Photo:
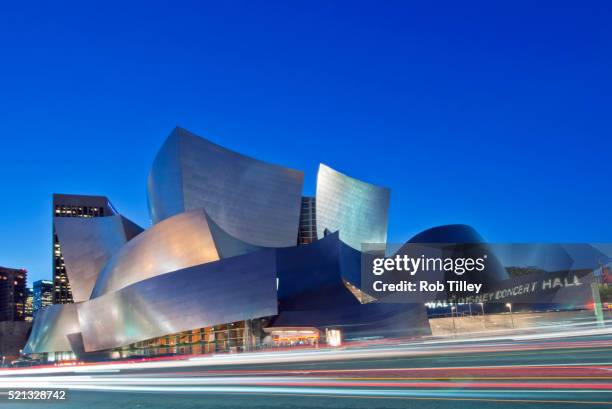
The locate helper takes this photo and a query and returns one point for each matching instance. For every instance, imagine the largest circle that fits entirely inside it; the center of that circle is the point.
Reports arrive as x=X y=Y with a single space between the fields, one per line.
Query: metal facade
x=234 y=289
x=51 y=328
x=223 y=248
x=358 y=210
x=312 y=293
x=253 y=201
x=178 y=242
x=87 y=244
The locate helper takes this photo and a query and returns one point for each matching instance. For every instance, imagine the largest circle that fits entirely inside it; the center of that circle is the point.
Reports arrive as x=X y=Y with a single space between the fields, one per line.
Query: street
x=528 y=371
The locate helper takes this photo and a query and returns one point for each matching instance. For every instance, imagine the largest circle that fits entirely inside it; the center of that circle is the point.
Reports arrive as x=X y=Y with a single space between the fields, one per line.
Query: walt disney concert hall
x=236 y=259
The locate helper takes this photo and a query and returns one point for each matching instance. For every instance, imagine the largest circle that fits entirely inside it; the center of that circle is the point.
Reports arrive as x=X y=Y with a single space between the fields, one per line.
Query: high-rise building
x=12 y=294
x=29 y=305
x=307 y=232
x=42 y=294
x=72 y=206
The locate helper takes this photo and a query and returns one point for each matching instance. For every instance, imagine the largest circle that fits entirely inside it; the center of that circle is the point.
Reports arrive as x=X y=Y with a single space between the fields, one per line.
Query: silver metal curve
x=179 y=242
x=253 y=201
x=230 y=290
x=87 y=244
x=358 y=210
x=51 y=328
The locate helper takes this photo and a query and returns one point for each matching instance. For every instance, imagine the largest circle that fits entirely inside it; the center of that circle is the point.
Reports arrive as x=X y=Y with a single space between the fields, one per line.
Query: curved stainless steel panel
x=358 y=210
x=87 y=244
x=312 y=293
x=165 y=184
x=233 y=289
x=227 y=245
x=176 y=243
x=253 y=201
x=51 y=328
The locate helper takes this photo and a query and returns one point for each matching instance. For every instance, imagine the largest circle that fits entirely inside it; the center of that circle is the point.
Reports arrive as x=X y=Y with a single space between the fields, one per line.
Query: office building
x=29 y=305
x=13 y=294
x=42 y=294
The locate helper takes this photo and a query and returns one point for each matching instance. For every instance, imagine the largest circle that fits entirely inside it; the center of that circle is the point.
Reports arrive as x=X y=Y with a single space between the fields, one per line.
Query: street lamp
x=511 y=318
x=483 y=315
x=453 y=318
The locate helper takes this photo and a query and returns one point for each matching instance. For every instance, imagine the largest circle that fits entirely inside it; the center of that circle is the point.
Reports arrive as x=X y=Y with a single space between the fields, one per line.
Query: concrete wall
x=468 y=324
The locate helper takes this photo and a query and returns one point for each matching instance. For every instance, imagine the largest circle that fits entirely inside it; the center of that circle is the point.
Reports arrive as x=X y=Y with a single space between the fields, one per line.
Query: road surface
x=532 y=371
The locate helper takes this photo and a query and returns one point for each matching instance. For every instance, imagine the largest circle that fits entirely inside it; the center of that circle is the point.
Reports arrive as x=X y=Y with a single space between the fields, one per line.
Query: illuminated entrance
x=293 y=336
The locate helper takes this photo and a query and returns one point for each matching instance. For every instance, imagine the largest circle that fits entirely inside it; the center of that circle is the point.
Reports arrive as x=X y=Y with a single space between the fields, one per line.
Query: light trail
x=531 y=371
x=418 y=348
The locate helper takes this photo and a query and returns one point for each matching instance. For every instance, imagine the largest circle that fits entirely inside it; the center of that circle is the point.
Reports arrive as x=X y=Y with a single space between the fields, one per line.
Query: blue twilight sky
x=496 y=114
